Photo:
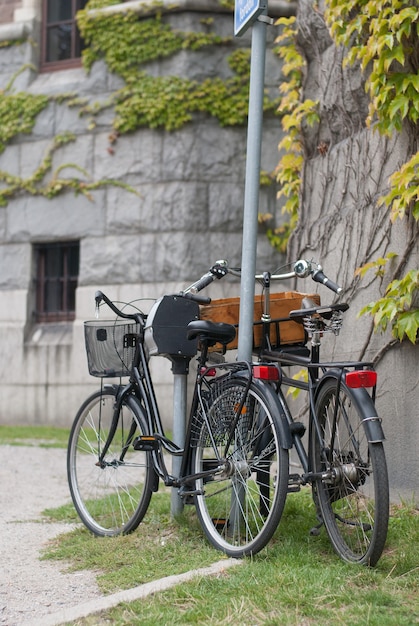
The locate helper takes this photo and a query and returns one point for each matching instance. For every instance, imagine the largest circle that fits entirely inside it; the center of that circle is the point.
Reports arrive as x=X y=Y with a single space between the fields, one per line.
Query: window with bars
x=61 y=41
x=57 y=270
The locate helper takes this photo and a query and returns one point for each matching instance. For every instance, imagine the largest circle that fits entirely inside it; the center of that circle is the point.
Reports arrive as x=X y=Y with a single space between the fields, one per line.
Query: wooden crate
x=283 y=331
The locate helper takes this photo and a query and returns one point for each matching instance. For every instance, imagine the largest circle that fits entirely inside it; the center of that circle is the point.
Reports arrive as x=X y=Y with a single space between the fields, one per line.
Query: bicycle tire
x=240 y=508
x=354 y=503
x=111 y=497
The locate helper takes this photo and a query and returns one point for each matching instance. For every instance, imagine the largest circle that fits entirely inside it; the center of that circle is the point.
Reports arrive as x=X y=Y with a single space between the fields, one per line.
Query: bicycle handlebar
x=218 y=270
x=99 y=296
x=302 y=269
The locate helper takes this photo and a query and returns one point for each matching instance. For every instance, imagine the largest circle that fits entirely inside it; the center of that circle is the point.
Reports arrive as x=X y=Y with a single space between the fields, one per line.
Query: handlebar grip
x=196 y=298
x=319 y=277
x=202 y=282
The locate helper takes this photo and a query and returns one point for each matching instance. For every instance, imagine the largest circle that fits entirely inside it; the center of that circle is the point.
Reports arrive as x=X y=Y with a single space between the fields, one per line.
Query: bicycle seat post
x=266 y=313
x=180 y=368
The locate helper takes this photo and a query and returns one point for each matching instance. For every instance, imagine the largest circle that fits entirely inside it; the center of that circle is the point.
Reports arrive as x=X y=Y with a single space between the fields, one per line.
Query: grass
x=296 y=581
x=44 y=436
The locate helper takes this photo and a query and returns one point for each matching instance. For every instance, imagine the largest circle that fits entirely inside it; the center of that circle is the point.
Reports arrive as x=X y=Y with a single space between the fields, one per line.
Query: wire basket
x=110 y=347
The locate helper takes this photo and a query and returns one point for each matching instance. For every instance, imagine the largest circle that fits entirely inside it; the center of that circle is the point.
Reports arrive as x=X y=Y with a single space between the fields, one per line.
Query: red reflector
x=266 y=372
x=211 y=371
x=361 y=378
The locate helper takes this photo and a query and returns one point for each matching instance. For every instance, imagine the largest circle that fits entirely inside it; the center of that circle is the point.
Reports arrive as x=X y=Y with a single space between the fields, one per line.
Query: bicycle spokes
x=352 y=492
x=239 y=508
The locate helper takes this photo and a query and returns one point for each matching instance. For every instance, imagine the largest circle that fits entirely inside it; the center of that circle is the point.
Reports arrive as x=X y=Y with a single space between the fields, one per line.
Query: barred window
x=57 y=270
x=61 y=41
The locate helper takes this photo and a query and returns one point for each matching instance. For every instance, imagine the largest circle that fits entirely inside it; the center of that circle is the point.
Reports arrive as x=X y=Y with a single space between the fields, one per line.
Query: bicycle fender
x=276 y=409
x=371 y=421
x=365 y=406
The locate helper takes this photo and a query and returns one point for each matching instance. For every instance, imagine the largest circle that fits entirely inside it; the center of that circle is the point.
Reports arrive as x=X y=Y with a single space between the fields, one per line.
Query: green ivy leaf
x=407 y=324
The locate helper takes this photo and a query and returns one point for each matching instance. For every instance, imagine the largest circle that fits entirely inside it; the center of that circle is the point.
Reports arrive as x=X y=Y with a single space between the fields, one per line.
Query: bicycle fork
x=121 y=394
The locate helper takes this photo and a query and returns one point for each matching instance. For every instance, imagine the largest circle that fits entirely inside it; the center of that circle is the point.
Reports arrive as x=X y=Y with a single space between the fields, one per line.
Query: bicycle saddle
x=211 y=332
x=324 y=311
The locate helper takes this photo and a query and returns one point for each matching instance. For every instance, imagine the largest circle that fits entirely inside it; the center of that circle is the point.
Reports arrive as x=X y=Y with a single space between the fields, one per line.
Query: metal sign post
x=247 y=12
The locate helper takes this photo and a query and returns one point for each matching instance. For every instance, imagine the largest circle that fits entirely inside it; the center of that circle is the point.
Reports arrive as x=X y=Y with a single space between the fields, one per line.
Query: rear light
x=208 y=371
x=266 y=372
x=361 y=378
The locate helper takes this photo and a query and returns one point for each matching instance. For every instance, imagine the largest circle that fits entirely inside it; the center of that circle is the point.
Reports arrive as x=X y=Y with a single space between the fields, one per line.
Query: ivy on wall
x=18 y=113
x=57 y=183
x=382 y=37
x=127 y=42
x=293 y=113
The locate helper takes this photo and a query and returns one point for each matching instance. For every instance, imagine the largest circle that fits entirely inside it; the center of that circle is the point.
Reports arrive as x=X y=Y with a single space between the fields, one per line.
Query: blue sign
x=245 y=13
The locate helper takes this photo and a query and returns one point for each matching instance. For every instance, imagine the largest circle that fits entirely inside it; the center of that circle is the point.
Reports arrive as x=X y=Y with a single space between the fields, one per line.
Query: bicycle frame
x=141 y=386
x=317 y=372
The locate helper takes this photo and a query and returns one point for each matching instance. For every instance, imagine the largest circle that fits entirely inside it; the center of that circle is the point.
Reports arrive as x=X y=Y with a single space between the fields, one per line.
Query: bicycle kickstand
x=315 y=531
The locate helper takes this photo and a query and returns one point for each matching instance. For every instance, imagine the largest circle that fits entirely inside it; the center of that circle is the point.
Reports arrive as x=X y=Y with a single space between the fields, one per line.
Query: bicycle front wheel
x=354 y=497
x=240 y=505
x=111 y=494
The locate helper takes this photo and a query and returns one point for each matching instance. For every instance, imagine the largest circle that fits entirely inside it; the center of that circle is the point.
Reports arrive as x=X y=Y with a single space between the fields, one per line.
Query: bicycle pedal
x=221 y=524
x=146 y=443
x=297 y=428
x=186 y=493
x=294 y=483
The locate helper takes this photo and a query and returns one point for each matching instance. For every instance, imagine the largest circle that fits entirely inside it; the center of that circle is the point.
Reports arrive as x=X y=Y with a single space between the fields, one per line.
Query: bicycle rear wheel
x=239 y=506
x=111 y=495
x=354 y=499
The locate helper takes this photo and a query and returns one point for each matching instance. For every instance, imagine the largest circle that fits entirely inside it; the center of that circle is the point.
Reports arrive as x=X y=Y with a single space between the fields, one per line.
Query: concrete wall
x=187 y=213
x=343 y=227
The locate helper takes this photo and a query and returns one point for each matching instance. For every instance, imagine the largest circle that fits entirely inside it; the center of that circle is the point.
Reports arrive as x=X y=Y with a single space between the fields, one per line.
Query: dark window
x=61 y=42
x=57 y=270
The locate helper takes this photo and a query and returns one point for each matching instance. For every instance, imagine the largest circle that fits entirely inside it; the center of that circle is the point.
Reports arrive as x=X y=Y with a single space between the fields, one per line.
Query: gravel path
x=31 y=480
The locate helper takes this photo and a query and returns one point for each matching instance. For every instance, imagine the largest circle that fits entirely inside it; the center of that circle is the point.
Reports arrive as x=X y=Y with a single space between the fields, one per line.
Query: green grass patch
x=43 y=436
x=297 y=580
x=159 y=547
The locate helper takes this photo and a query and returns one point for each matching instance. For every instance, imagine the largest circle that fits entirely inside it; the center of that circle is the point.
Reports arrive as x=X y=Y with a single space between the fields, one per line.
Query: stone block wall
x=7 y=9
x=186 y=213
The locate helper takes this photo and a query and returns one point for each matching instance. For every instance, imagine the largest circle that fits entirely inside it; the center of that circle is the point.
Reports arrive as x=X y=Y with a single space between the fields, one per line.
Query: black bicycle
x=343 y=459
x=234 y=463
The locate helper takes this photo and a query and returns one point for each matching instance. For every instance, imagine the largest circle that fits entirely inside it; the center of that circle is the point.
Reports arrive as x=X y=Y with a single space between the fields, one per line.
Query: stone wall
x=7 y=9
x=186 y=213
x=342 y=226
